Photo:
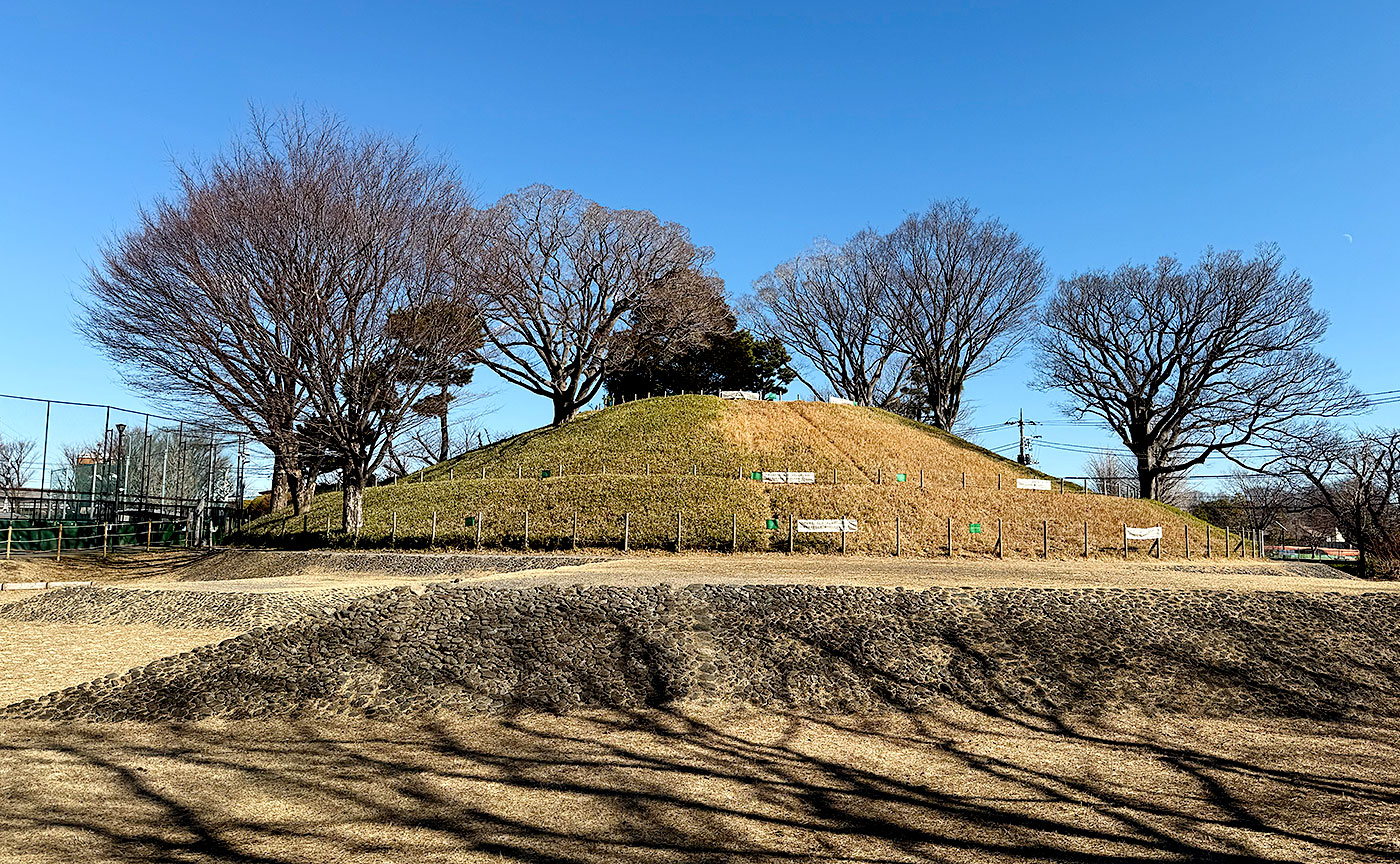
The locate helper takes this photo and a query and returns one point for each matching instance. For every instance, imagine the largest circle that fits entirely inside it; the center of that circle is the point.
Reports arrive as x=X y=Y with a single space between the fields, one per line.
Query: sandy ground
x=700 y=785
x=916 y=573
x=39 y=658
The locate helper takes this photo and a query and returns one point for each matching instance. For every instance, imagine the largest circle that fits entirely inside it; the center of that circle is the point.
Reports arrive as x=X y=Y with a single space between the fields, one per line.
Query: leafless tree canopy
x=1354 y=479
x=261 y=292
x=1186 y=362
x=1116 y=474
x=965 y=292
x=832 y=307
x=557 y=276
x=16 y=468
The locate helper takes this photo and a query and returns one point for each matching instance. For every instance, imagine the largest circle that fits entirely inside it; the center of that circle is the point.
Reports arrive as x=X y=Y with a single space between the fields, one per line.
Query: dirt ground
x=173 y=571
x=39 y=658
x=701 y=785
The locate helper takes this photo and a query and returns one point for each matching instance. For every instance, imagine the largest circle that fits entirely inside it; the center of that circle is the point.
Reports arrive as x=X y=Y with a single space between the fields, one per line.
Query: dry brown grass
x=38 y=658
x=701 y=785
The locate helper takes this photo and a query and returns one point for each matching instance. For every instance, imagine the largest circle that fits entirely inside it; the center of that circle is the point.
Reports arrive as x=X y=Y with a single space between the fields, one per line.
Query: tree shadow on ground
x=702 y=784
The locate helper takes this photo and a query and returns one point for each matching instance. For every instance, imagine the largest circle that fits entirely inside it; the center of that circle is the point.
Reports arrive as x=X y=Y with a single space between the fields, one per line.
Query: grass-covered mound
x=695 y=456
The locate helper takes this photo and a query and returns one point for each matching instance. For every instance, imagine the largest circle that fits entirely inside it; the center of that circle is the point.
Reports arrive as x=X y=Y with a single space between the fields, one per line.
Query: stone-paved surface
x=450 y=647
x=262 y=563
x=177 y=609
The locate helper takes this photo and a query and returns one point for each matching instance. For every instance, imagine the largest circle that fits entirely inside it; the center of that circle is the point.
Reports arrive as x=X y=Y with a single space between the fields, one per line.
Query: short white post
x=432 y=537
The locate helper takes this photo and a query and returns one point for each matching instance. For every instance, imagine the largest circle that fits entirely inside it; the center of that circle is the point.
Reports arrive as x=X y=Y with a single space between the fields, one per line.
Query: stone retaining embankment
x=454 y=648
x=265 y=563
x=178 y=609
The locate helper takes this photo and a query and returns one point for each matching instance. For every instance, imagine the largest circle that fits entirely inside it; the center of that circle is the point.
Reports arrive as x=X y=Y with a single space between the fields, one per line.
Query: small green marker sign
x=471 y=521
x=771 y=524
x=756 y=475
x=975 y=528
x=544 y=473
x=900 y=478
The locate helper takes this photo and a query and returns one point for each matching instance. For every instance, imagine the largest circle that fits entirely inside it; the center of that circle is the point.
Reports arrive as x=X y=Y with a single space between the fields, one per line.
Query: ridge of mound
x=223 y=610
x=827 y=648
x=694 y=456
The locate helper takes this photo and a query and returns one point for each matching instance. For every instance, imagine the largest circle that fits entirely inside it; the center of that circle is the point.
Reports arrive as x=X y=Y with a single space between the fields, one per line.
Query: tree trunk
x=565 y=408
x=1148 y=476
x=303 y=489
x=352 y=498
x=281 y=483
x=443 y=444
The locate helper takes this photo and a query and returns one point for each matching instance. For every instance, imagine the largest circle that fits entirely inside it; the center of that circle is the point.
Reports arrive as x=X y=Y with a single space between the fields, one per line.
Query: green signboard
x=471 y=521
x=975 y=528
x=900 y=478
x=756 y=475
x=772 y=525
x=544 y=473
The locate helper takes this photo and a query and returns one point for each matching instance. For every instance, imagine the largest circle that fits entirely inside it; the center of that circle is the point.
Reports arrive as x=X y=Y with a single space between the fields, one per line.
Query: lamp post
x=121 y=459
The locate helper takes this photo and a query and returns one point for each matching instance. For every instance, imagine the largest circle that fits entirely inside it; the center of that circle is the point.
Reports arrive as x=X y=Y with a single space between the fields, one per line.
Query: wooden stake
x=1086 y=539
x=843 y=534
x=1186 y=534
x=896 y=537
x=149 y=526
x=527 y=531
x=950 y=536
x=998 y=481
x=999 y=548
x=1157 y=544
x=452 y=473
x=59 y=550
x=9 y=538
x=1044 y=538
x=626 y=530
x=921 y=478
x=478 y=529
x=734 y=533
x=1125 y=541
x=393 y=527
x=1207 y=539
x=678 y=532
x=573 y=534
x=791 y=535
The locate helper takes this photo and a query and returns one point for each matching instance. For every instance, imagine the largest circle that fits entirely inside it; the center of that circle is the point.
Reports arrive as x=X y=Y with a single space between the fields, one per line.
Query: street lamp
x=121 y=458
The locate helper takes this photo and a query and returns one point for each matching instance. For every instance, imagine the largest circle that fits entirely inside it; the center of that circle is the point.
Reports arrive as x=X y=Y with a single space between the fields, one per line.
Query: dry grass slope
x=693 y=455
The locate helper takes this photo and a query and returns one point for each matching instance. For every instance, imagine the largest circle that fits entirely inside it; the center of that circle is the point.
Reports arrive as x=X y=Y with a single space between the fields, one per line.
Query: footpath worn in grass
x=694 y=456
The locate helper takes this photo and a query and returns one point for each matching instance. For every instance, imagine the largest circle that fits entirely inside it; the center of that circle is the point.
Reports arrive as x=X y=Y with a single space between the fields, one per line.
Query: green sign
x=544 y=473
x=772 y=525
x=471 y=521
x=771 y=397
x=756 y=475
x=975 y=528
x=900 y=478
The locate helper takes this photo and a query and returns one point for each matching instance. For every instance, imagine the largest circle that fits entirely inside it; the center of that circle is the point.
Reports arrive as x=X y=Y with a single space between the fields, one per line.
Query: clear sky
x=1102 y=132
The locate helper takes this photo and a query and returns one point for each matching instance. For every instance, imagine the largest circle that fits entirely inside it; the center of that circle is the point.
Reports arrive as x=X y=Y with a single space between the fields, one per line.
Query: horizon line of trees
x=331 y=292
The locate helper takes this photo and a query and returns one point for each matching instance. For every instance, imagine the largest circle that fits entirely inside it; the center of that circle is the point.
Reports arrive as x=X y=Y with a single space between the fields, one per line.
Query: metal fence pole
x=1125 y=541
x=1000 y=550
x=678 y=532
x=59 y=548
x=478 y=530
x=734 y=533
x=9 y=537
x=1044 y=538
x=393 y=527
x=432 y=538
x=149 y=526
x=626 y=530
x=573 y=532
x=527 y=531
x=1086 y=539
x=843 y=534
x=950 y=536
x=896 y=537
x=1186 y=536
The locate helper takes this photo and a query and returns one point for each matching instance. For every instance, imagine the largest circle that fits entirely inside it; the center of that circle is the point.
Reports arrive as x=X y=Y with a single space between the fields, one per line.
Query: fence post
x=833 y=476
x=626 y=530
x=393 y=527
x=843 y=534
x=328 y=526
x=998 y=481
x=1207 y=539
x=478 y=529
x=1125 y=541
x=921 y=478
x=452 y=473
x=734 y=533
x=1062 y=485
x=527 y=531
x=59 y=549
x=573 y=533
x=1000 y=551
x=1044 y=538
x=791 y=535
x=1086 y=539
x=483 y=472
x=1186 y=534
x=104 y=541
x=964 y=479
x=678 y=532
x=1157 y=545
x=519 y=472
x=432 y=538
x=149 y=526
x=950 y=536
x=896 y=537
x=9 y=537
x=879 y=476
x=1227 y=541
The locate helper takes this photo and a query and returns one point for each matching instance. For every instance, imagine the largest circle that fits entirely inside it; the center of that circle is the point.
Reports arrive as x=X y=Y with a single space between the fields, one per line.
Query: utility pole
x=1023 y=456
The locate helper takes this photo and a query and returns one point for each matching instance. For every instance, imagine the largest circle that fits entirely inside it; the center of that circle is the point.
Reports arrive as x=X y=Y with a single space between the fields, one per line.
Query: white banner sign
x=1145 y=533
x=837 y=400
x=826 y=526
x=789 y=477
x=740 y=394
x=1033 y=483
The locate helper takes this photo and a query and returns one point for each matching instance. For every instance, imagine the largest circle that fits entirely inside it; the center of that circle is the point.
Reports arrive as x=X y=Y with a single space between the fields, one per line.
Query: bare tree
x=384 y=325
x=964 y=291
x=1187 y=362
x=1353 y=479
x=199 y=305
x=557 y=276
x=1116 y=474
x=16 y=469
x=831 y=306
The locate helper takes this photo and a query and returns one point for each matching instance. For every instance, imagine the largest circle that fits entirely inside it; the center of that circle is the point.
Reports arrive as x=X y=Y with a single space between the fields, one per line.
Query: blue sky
x=1102 y=132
